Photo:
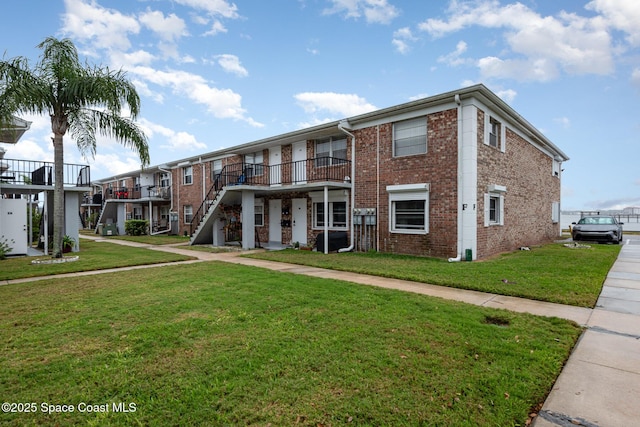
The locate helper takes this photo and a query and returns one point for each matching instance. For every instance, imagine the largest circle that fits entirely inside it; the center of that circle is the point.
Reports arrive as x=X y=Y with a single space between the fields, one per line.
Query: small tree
x=80 y=99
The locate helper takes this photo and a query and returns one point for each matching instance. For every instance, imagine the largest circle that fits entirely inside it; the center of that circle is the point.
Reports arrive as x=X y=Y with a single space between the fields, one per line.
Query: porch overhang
x=13 y=132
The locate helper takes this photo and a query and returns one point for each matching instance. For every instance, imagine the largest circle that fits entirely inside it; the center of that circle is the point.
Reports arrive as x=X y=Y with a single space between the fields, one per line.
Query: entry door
x=299 y=224
x=275 y=168
x=275 y=215
x=299 y=172
x=13 y=225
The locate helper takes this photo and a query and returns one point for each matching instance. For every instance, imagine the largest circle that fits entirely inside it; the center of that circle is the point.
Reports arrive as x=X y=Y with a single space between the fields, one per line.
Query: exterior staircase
x=204 y=218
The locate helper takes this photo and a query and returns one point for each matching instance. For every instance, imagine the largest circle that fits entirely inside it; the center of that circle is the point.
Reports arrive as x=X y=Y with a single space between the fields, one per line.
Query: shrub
x=5 y=247
x=136 y=227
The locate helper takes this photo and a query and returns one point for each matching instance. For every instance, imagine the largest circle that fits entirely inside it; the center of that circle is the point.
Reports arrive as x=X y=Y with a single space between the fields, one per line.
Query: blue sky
x=216 y=73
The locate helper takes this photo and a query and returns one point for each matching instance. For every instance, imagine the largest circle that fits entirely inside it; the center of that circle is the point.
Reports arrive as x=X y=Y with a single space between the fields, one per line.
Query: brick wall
x=438 y=167
x=531 y=188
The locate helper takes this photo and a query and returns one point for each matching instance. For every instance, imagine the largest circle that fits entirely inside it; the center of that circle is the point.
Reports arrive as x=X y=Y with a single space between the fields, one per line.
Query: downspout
x=170 y=205
x=341 y=126
x=460 y=187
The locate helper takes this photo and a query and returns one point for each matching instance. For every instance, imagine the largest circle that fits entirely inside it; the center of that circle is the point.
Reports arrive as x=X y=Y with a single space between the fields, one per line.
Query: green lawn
x=223 y=344
x=552 y=272
x=93 y=256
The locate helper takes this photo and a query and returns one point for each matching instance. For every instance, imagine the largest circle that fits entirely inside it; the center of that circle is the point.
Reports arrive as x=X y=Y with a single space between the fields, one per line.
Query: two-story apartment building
x=459 y=175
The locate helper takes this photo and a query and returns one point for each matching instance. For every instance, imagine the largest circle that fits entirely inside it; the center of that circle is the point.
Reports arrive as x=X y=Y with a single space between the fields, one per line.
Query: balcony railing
x=329 y=169
x=299 y=172
x=138 y=192
x=28 y=172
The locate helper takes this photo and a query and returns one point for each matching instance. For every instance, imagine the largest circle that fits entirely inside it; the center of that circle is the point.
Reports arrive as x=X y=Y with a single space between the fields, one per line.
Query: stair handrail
x=228 y=174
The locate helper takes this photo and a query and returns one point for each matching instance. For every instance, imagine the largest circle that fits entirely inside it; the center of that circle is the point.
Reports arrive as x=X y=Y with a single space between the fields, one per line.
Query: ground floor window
x=259 y=213
x=409 y=215
x=188 y=213
x=137 y=212
x=337 y=216
x=494 y=206
x=409 y=208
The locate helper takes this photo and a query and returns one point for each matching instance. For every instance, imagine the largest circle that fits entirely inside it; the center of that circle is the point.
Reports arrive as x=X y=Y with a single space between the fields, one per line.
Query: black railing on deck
x=329 y=169
x=29 y=172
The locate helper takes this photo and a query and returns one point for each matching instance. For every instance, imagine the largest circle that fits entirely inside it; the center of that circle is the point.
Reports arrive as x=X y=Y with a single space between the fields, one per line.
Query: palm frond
x=87 y=122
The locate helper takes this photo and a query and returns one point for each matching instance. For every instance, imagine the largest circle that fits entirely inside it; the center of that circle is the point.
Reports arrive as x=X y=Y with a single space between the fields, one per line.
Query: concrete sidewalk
x=600 y=383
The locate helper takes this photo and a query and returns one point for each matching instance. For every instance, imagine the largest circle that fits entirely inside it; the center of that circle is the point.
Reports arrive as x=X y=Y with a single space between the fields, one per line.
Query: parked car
x=597 y=228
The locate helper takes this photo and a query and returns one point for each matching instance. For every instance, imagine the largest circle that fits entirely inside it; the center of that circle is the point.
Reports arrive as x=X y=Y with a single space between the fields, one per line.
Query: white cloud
x=334 y=103
x=508 y=95
x=454 y=58
x=216 y=27
x=169 y=28
x=105 y=28
x=401 y=39
x=623 y=15
x=222 y=103
x=374 y=11
x=231 y=64
x=175 y=141
x=518 y=69
x=213 y=7
x=540 y=46
x=114 y=164
x=563 y=121
x=27 y=149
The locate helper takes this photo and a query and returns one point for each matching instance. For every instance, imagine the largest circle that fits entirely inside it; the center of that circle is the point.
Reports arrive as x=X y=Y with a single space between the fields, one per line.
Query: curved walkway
x=600 y=383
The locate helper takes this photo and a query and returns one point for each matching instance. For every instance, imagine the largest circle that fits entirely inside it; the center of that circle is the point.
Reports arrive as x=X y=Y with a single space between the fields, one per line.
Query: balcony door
x=275 y=166
x=299 y=172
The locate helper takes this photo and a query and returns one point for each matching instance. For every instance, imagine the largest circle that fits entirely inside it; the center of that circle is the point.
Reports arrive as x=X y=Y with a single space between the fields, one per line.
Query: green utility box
x=109 y=230
x=468 y=255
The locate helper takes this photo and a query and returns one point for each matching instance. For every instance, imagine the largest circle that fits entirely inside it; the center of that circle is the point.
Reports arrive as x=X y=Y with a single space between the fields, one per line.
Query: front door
x=299 y=223
x=275 y=167
x=299 y=170
x=275 y=215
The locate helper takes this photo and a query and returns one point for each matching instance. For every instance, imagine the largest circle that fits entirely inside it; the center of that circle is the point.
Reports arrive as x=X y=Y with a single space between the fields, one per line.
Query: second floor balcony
x=322 y=169
x=15 y=172
x=138 y=192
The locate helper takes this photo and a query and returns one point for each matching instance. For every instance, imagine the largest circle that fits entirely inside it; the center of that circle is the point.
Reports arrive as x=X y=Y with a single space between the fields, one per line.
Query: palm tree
x=81 y=100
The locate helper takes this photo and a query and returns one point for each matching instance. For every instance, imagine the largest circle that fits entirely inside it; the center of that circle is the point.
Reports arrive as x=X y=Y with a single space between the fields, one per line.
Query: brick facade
x=523 y=172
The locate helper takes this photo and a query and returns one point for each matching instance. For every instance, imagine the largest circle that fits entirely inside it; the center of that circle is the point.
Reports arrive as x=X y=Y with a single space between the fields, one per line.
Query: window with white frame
x=216 y=168
x=409 y=208
x=336 y=217
x=165 y=180
x=254 y=164
x=494 y=205
x=137 y=212
x=188 y=213
x=164 y=214
x=555 y=212
x=259 y=213
x=187 y=175
x=410 y=137
x=556 y=167
x=495 y=133
x=136 y=183
x=331 y=151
